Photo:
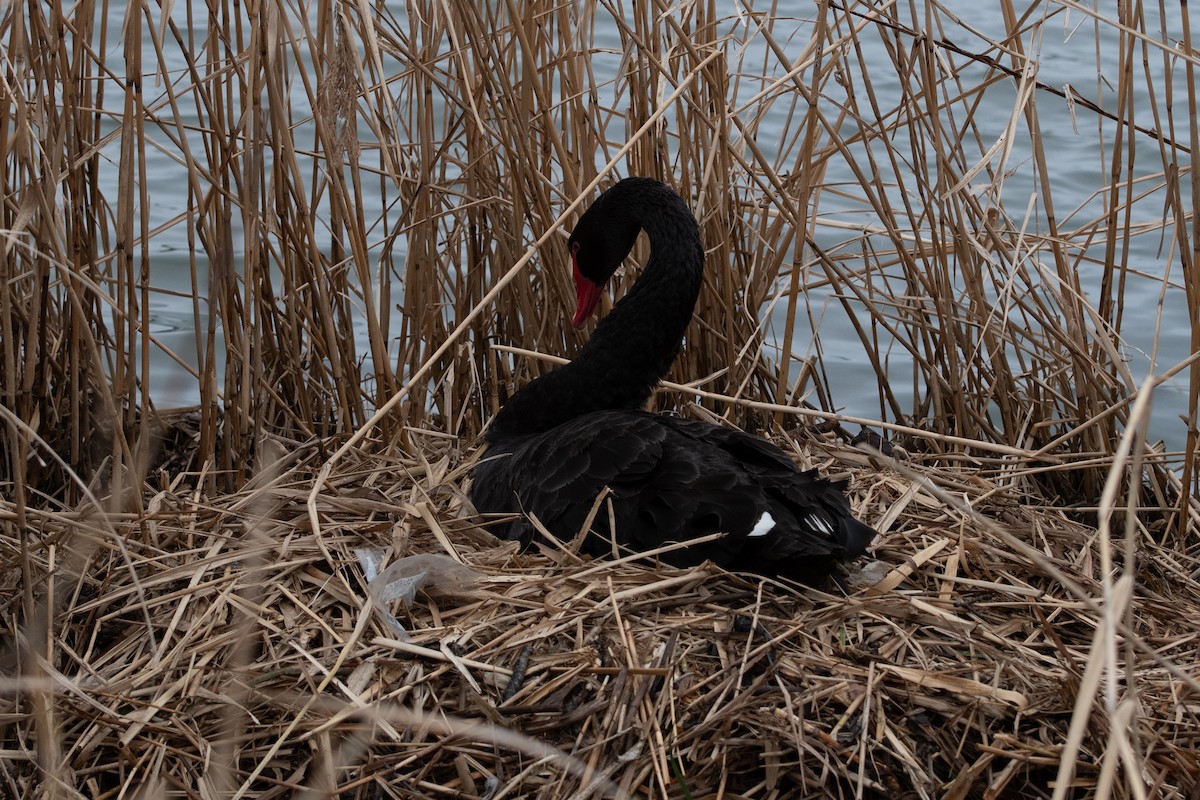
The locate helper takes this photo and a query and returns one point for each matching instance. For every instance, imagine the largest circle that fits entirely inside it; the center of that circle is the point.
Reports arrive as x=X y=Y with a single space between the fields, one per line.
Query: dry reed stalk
x=1191 y=474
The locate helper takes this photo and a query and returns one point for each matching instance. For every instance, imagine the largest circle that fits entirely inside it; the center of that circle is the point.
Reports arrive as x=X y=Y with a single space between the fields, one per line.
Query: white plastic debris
x=402 y=579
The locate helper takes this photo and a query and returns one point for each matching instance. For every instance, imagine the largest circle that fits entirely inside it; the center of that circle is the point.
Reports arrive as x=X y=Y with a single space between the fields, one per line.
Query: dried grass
x=219 y=646
x=183 y=614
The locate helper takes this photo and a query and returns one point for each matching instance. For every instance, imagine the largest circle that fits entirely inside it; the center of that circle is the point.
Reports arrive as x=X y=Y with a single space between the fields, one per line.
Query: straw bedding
x=197 y=644
x=220 y=646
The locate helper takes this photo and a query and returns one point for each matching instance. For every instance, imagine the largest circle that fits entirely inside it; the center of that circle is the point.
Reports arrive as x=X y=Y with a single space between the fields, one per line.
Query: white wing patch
x=818 y=523
x=764 y=525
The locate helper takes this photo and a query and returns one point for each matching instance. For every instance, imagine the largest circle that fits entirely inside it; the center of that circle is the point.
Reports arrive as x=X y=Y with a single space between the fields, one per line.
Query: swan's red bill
x=587 y=297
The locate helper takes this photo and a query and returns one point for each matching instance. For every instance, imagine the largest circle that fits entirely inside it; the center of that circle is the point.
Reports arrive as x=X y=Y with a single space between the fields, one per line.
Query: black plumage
x=579 y=431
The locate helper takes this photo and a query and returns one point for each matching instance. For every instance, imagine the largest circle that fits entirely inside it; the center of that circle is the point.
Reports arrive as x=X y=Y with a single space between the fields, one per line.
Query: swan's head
x=601 y=240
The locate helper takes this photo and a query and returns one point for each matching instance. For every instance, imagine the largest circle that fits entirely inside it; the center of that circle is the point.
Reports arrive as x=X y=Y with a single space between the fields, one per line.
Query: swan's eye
x=574 y=248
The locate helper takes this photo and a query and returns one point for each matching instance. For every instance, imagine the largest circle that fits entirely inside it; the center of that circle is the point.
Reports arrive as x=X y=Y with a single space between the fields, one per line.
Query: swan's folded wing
x=558 y=475
x=812 y=514
x=750 y=451
x=671 y=480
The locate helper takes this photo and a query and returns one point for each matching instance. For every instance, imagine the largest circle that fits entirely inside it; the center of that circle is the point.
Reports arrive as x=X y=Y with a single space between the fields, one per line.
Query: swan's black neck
x=635 y=344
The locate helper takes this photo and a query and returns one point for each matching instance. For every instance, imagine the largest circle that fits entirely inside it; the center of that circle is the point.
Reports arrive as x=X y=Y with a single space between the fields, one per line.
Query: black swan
x=565 y=437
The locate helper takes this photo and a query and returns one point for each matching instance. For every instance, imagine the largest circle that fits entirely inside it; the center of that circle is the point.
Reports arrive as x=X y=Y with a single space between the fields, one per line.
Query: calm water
x=1067 y=55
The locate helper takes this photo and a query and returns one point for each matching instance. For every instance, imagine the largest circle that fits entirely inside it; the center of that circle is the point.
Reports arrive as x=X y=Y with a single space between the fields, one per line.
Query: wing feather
x=673 y=480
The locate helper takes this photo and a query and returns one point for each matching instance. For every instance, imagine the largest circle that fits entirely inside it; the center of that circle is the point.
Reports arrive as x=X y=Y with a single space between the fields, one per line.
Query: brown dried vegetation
x=183 y=610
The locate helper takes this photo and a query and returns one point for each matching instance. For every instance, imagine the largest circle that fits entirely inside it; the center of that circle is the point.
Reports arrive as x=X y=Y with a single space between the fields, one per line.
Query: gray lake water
x=1068 y=54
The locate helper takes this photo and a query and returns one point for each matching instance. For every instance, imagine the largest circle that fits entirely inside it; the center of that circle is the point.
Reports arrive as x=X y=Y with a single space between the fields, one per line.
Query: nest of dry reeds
x=363 y=190
x=225 y=646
